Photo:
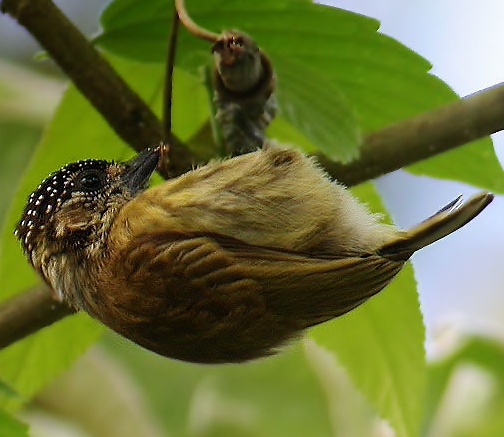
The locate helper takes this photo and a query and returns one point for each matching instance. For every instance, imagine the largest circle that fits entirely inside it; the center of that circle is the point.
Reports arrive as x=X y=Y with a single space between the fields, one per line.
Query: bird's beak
x=140 y=168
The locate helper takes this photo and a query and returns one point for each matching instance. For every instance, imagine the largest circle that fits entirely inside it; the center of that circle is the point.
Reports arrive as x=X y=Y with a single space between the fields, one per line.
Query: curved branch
x=191 y=26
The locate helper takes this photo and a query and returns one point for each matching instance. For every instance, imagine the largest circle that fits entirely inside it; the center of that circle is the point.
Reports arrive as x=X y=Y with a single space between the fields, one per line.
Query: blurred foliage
x=277 y=396
x=18 y=142
x=473 y=406
x=337 y=78
x=10 y=427
x=484 y=357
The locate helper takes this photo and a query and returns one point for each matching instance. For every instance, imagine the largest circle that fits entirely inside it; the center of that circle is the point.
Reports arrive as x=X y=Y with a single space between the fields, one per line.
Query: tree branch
x=191 y=26
x=168 y=80
x=27 y=312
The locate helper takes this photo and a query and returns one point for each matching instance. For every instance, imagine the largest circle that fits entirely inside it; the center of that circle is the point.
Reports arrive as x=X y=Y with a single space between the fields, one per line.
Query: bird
x=226 y=263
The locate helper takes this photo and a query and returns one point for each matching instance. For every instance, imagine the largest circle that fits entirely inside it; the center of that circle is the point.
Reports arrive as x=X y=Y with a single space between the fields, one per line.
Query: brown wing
x=186 y=298
x=214 y=299
x=310 y=288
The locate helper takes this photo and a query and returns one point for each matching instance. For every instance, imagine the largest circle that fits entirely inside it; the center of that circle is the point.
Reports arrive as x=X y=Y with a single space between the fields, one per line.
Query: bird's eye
x=90 y=180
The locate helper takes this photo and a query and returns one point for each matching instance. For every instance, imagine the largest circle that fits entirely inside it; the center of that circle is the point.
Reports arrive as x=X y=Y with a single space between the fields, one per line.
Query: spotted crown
x=48 y=197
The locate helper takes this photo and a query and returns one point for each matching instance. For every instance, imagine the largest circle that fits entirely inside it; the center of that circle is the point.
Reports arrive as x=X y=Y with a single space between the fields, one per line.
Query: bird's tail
x=447 y=220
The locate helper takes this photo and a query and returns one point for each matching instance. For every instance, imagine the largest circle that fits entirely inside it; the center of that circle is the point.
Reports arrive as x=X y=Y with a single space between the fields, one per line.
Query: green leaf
x=6 y=391
x=18 y=141
x=317 y=121
x=190 y=103
x=381 y=345
x=32 y=363
x=11 y=427
x=475 y=163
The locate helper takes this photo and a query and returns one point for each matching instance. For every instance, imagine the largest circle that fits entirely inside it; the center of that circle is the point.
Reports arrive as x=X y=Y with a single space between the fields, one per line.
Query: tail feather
x=447 y=220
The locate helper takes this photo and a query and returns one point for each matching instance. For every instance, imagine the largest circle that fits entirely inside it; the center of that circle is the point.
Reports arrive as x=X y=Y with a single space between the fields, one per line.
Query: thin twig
x=168 y=83
x=191 y=26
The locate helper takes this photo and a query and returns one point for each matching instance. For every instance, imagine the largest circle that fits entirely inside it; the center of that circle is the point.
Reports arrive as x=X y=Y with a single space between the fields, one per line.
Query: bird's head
x=73 y=209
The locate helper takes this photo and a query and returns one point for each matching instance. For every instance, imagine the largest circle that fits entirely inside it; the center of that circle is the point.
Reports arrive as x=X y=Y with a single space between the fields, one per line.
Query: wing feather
x=299 y=286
